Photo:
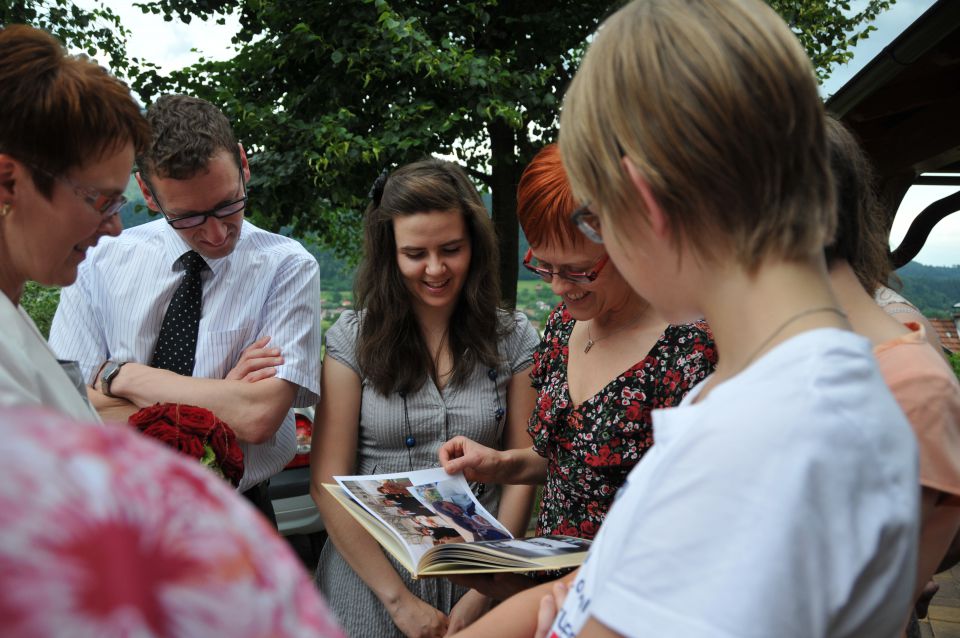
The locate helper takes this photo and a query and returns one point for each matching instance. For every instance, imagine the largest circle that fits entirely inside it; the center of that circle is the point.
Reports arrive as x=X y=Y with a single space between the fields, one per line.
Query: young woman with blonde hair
x=780 y=498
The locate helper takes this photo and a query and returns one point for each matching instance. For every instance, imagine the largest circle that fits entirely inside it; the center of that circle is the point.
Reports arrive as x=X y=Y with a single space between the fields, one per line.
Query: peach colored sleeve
x=929 y=395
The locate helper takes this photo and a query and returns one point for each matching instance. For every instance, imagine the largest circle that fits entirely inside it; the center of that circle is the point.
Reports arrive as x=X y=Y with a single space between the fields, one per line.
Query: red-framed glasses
x=575 y=277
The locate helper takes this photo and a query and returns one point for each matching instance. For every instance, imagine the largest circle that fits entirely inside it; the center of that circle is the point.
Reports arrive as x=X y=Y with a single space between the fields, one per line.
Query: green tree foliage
x=325 y=94
x=829 y=29
x=96 y=31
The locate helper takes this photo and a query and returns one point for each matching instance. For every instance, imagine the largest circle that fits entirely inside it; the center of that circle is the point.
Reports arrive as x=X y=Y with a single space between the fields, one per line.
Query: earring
x=5 y=210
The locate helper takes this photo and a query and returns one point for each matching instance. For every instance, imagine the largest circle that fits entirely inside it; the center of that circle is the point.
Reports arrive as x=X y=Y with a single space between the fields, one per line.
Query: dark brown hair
x=545 y=201
x=57 y=111
x=861 y=237
x=391 y=350
x=187 y=133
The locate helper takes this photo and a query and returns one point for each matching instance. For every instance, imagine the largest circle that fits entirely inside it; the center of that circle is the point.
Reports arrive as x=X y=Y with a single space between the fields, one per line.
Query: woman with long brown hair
x=426 y=356
x=920 y=380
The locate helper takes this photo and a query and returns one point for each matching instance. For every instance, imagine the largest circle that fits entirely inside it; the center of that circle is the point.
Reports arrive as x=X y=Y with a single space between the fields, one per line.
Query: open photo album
x=433 y=525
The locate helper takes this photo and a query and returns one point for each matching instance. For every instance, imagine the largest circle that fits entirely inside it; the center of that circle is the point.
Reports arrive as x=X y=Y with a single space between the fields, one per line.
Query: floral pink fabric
x=106 y=533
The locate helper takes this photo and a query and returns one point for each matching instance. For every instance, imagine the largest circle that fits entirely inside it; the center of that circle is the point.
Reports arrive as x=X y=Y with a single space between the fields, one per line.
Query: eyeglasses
x=575 y=277
x=588 y=223
x=106 y=205
x=196 y=219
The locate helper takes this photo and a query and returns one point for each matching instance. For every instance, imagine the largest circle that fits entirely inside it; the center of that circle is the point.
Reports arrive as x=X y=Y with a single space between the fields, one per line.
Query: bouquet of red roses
x=196 y=432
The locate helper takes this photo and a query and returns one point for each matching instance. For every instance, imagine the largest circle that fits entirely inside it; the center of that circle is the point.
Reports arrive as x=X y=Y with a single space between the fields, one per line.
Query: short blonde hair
x=716 y=104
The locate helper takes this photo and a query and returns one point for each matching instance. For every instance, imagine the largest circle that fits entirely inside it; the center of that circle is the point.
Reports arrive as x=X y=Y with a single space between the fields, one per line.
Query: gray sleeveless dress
x=469 y=409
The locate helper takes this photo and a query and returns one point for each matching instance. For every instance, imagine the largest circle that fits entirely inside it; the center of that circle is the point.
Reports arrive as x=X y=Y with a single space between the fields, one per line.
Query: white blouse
x=30 y=374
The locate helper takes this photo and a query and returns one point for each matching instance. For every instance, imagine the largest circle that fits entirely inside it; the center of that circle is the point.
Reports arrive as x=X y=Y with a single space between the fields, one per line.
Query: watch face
x=111 y=371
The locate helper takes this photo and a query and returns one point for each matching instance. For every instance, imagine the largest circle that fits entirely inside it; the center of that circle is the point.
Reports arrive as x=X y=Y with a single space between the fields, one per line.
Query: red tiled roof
x=947 y=331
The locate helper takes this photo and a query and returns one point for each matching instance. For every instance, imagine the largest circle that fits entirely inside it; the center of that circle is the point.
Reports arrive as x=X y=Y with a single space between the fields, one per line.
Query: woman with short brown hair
x=68 y=133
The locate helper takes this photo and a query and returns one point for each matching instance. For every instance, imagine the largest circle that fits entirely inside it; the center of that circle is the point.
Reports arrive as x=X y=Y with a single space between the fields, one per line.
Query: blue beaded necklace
x=410 y=441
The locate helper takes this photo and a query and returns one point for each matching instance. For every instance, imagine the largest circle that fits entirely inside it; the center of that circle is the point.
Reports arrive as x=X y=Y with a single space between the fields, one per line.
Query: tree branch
x=479 y=175
x=527 y=149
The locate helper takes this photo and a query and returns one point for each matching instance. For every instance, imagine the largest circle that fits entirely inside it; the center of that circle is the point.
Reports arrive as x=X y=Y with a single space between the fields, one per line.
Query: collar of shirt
x=174 y=246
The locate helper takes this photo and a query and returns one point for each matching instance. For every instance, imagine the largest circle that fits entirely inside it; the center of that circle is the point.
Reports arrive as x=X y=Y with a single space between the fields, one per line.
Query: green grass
x=40 y=302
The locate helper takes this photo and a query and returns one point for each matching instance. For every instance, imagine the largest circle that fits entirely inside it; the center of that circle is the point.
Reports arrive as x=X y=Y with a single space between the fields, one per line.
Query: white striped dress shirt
x=269 y=285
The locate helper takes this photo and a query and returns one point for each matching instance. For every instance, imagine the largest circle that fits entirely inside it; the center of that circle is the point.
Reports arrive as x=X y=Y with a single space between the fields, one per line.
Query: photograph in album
x=433 y=525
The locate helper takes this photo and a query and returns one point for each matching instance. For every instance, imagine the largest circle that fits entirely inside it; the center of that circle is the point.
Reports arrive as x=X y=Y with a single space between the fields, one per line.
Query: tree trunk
x=505 y=174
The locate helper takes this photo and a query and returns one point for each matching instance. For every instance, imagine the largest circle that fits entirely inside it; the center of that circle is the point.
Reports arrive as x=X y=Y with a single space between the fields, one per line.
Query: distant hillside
x=135 y=211
x=933 y=289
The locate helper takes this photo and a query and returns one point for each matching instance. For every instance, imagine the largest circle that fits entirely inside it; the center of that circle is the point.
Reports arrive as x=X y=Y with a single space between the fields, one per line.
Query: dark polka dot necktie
x=177 y=344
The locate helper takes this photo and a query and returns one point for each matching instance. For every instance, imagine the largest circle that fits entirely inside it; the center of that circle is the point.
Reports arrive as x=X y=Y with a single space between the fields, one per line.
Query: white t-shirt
x=783 y=504
x=29 y=372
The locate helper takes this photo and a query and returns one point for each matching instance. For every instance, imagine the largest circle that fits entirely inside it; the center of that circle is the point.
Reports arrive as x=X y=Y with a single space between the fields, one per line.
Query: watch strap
x=111 y=370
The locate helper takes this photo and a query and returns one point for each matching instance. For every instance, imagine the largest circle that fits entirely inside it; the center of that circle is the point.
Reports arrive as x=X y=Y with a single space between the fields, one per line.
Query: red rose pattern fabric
x=106 y=533
x=592 y=447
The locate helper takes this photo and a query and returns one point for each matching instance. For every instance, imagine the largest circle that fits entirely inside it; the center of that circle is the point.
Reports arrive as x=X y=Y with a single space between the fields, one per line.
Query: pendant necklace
x=592 y=342
x=791 y=319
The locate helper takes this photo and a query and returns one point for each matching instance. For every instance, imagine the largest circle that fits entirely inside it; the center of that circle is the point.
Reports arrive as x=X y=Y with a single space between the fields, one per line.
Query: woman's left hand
x=471 y=606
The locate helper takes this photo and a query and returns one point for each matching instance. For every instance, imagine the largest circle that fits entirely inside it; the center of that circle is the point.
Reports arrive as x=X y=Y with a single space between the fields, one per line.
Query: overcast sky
x=170 y=44
x=173 y=45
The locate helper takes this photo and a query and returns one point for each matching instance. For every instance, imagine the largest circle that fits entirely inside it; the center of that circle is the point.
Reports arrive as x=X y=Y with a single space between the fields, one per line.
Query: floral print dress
x=108 y=533
x=590 y=448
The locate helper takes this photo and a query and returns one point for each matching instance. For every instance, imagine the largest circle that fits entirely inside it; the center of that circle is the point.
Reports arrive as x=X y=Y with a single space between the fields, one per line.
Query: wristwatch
x=110 y=371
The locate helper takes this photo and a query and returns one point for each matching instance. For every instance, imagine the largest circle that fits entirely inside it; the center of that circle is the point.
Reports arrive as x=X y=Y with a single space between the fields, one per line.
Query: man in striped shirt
x=257 y=347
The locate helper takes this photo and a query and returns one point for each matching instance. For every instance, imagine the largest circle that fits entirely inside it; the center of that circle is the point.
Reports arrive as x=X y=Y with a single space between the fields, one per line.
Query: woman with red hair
x=606 y=360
